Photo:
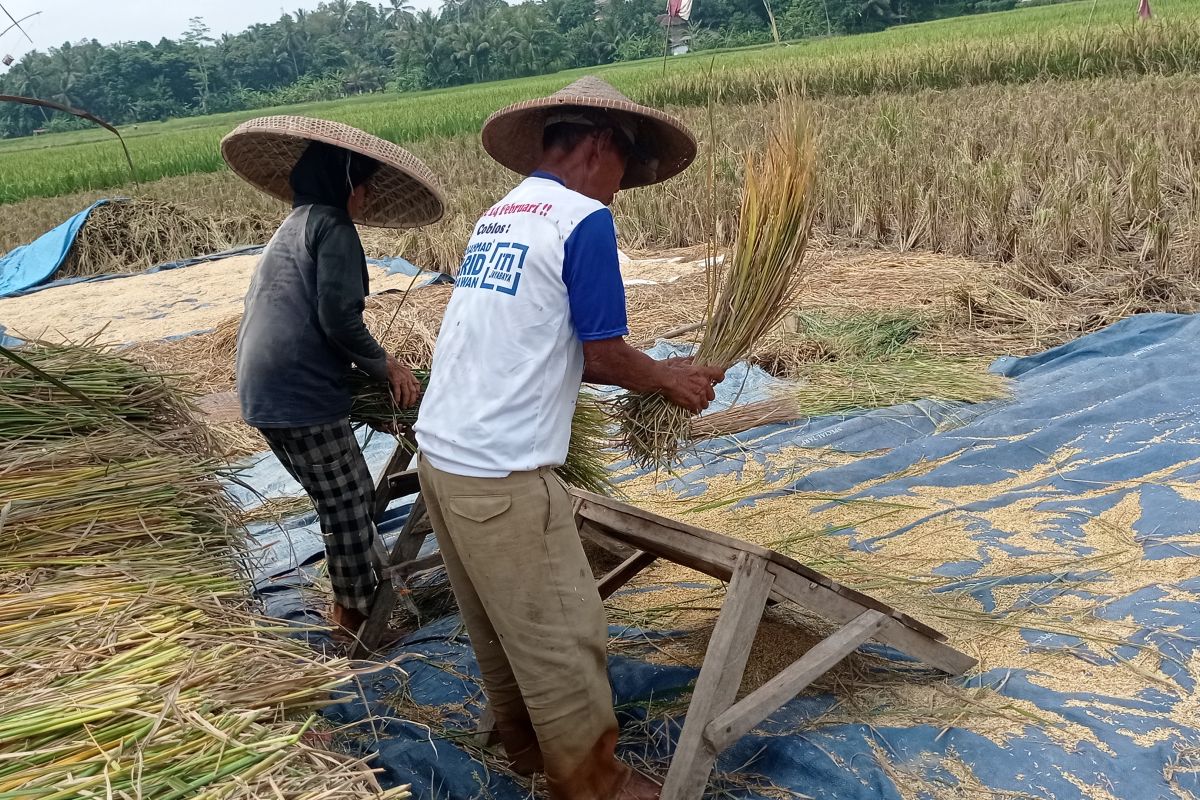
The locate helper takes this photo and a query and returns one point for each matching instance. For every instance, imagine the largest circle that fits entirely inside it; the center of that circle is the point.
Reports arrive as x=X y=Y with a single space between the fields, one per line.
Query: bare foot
x=347 y=622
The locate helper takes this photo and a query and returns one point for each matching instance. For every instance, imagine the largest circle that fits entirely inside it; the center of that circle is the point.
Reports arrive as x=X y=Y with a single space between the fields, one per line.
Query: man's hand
x=406 y=389
x=690 y=386
x=615 y=363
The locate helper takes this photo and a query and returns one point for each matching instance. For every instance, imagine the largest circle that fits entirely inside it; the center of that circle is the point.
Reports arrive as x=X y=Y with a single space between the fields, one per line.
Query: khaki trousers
x=536 y=622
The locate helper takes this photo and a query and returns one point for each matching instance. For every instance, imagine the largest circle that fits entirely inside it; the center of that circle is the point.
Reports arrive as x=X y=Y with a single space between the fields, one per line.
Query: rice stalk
x=54 y=391
x=843 y=387
x=752 y=288
x=133 y=235
x=134 y=665
x=586 y=466
x=742 y=417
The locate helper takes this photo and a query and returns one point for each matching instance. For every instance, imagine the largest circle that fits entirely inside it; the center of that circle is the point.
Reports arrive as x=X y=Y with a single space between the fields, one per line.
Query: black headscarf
x=326 y=174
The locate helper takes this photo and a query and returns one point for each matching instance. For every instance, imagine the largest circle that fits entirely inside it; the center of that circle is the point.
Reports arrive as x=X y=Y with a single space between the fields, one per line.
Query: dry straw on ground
x=135 y=664
x=133 y=235
x=1050 y=173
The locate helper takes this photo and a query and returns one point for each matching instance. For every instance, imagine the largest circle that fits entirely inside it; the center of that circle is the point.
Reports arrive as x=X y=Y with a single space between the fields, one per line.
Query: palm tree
x=471 y=46
x=359 y=23
x=66 y=64
x=426 y=36
x=341 y=10
x=291 y=41
x=397 y=13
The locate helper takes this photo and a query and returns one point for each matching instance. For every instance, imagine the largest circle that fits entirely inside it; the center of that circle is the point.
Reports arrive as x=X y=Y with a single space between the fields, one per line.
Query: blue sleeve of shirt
x=592 y=274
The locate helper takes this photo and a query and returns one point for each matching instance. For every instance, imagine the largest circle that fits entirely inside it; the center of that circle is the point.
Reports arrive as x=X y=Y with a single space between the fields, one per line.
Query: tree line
x=348 y=47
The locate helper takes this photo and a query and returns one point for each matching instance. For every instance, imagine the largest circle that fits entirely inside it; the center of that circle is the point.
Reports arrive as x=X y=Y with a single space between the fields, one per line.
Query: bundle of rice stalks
x=585 y=467
x=53 y=391
x=131 y=235
x=134 y=665
x=408 y=324
x=842 y=387
x=49 y=497
x=743 y=417
x=750 y=291
x=802 y=338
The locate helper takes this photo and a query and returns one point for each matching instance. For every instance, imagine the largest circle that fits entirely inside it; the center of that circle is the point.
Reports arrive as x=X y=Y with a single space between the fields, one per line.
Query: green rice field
x=1067 y=41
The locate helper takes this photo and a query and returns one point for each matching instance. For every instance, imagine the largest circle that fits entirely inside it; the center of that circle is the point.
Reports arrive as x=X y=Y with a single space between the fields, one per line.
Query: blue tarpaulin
x=31 y=264
x=1054 y=535
x=29 y=268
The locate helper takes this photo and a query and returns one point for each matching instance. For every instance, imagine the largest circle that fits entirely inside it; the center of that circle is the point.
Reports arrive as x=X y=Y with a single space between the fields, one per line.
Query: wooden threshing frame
x=755 y=576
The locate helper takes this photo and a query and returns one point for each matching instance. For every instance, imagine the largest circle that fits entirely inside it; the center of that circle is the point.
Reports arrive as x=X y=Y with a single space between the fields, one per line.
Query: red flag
x=1144 y=10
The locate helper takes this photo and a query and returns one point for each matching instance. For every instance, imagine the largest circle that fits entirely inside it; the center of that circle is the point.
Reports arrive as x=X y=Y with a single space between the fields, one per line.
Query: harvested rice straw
x=840 y=387
x=742 y=418
x=754 y=286
x=134 y=664
x=586 y=465
x=61 y=391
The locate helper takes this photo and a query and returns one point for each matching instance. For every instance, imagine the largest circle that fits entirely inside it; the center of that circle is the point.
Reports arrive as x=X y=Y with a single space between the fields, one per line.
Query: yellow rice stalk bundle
x=743 y=417
x=133 y=664
x=750 y=293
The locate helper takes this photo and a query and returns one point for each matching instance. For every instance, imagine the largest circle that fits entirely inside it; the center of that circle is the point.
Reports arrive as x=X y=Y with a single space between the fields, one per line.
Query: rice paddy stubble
x=1043 y=176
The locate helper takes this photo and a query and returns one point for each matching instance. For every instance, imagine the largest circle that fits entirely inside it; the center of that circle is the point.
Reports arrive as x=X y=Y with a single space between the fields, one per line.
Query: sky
x=132 y=20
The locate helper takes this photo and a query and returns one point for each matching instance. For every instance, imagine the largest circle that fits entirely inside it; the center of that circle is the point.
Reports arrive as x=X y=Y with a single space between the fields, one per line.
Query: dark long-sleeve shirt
x=303 y=326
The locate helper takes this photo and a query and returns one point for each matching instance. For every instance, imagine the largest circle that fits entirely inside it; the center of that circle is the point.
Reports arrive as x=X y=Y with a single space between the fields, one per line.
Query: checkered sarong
x=327 y=462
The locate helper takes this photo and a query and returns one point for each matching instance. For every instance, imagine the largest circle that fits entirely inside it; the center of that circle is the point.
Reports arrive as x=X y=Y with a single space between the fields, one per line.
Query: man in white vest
x=538 y=307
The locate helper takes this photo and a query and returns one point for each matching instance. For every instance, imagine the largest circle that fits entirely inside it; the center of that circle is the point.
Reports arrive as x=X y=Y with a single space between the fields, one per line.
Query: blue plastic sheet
x=29 y=268
x=1091 y=423
x=31 y=264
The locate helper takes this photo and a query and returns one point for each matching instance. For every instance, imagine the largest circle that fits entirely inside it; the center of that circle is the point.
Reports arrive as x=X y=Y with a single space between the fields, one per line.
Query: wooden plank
x=409 y=542
x=720 y=677
x=402 y=484
x=405 y=549
x=409 y=568
x=373 y=629
x=748 y=713
x=625 y=572
x=684 y=540
x=220 y=408
x=934 y=653
x=383 y=494
x=602 y=537
x=714 y=554
x=711 y=557
x=841 y=609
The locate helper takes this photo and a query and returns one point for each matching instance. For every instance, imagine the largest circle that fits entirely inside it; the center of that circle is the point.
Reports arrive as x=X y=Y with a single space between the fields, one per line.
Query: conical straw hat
x=513 y=135
x=403 y=191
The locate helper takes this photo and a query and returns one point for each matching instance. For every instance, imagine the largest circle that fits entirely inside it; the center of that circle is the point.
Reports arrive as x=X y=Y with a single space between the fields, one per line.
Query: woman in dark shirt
x=301 y=332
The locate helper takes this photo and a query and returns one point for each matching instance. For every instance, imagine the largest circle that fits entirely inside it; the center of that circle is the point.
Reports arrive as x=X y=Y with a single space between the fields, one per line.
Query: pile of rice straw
x=134 y=664
x=132 y=235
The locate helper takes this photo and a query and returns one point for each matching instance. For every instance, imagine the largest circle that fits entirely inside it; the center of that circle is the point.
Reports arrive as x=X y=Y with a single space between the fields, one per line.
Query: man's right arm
x=592 y=274
x=613 y=362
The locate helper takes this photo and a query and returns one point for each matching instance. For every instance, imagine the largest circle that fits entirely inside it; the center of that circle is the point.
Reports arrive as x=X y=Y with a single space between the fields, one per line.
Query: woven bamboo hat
x=403 y=192
x=664 y=146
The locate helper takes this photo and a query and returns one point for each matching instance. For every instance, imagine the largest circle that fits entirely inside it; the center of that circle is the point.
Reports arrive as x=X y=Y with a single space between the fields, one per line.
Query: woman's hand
x=406 y=389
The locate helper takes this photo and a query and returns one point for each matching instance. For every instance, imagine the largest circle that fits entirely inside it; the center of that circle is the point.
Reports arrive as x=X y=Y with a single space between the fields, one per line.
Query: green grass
x=1062 y=41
